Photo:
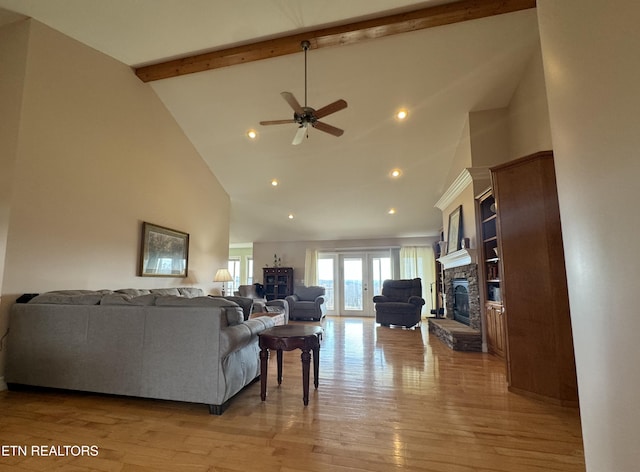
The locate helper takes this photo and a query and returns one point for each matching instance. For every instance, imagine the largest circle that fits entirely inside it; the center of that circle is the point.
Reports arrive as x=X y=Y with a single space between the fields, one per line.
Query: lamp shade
x=222 y=275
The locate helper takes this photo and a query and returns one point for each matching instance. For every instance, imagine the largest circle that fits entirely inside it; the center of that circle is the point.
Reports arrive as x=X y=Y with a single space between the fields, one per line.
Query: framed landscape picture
x=455 y=230
x=164 y=252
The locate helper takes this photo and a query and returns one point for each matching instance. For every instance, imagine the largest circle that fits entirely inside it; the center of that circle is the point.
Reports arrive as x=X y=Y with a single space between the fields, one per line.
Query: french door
x=355 y=279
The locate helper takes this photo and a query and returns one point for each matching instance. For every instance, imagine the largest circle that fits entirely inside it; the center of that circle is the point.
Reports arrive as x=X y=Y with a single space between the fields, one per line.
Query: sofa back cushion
x=191 y=292
x=69 y=297
x=309 y=294
x=401 y=290
x=133 y=292
x=122 y=299
x=166 y=291
x=232 y=311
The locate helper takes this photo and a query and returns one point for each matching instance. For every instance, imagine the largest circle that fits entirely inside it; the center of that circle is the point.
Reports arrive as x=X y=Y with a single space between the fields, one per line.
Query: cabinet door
x=495 y=329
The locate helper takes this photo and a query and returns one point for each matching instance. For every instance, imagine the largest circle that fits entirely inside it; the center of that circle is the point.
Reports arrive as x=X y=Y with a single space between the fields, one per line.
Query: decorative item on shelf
x=495 y=249
x=443 y=247
x=464 y=243
x=277 y=262
x=223 y=275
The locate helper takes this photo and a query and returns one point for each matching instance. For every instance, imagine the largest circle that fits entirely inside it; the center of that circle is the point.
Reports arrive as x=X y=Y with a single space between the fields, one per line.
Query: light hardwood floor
x=389 y=399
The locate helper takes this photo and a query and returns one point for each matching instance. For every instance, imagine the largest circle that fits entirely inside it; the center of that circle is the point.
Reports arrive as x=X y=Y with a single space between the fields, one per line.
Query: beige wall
x=466 y=199
x=13 y=55
x=489 y=133
x=97 y=153
x=528 y=112
x=462 y=156
x=590 y=52
x=491 y=137
x=293 y=253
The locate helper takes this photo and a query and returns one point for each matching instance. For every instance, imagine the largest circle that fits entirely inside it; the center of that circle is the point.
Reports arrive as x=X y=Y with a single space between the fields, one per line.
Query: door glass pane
x=250 y=271
x=325 y=279
x=352 y=287
x=380 y=271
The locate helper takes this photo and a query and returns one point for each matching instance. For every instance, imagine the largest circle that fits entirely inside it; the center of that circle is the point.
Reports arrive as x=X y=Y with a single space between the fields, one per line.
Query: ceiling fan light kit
x=304 y=116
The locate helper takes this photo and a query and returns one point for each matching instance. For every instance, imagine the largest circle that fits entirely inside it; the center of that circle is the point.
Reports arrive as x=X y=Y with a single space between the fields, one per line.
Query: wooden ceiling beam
x=334 y=36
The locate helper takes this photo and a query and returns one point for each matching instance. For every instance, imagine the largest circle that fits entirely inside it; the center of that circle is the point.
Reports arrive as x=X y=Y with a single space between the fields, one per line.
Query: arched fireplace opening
x=461 y=301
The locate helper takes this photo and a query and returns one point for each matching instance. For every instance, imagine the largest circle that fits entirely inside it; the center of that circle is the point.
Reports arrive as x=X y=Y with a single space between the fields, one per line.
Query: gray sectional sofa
x=171 y=344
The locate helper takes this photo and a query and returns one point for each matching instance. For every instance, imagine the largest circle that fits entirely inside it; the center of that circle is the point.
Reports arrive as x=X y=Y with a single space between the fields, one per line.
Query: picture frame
x=455 y=230
x=164 y=252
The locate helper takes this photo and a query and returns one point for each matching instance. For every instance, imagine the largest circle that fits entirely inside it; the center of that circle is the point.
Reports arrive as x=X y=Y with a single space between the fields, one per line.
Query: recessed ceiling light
x=402 y=114
x=392 y=211
x=396 y=173
x=252 y=134
x=290 y=216
x=275 y=182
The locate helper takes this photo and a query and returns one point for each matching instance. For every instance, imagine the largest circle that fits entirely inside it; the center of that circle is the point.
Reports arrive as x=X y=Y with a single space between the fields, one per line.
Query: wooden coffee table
x=287 y=338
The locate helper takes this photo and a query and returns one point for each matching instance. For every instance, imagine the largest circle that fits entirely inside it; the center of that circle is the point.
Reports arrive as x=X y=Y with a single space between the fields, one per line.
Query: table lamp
x=223 y=275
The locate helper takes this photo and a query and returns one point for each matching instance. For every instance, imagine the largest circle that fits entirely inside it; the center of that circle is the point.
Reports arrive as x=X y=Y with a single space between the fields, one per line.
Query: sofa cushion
x=232 y=310
x=122 y=299
x=133 y=292
x=166 y=291
x=191 y=292
x=60 y=298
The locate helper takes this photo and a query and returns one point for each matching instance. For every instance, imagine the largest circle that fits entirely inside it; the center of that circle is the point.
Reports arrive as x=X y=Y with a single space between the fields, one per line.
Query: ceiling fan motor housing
x=307 y=117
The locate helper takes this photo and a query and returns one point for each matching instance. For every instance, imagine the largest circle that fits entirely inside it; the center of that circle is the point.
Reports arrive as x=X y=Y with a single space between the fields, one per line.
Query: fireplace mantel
x=458 y=258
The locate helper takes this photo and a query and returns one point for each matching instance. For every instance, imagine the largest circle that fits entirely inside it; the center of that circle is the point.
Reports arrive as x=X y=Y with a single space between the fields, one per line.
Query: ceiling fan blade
x=276 y=122
x=330 y=108
x=297 y=139
x=328 y=128
x=293 y=103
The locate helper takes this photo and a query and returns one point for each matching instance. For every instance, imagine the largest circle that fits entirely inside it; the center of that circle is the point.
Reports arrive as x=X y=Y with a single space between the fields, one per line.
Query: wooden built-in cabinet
x=533 y=283
x=494 y=319
x=493 y=308
x=278 y=282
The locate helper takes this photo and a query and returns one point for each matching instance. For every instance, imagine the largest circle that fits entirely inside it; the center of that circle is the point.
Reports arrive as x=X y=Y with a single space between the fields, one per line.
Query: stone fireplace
x=461 y=328
x=453 y=278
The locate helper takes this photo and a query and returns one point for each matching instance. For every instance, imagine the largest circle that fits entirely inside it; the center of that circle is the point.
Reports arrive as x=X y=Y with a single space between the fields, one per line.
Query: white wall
x=592 y=69
x=97 y=153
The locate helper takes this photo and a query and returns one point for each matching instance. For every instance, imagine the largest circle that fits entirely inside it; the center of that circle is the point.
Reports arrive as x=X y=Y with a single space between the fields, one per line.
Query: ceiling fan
x=305 y=115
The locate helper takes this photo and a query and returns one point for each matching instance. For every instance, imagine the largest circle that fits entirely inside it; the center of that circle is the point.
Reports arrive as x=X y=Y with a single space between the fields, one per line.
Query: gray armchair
x=258 y=304
x=307 y=303
x=255 y=293
x=400 y=303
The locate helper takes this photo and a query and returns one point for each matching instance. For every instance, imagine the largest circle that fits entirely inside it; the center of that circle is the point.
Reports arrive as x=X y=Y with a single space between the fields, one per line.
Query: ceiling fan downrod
x=305 y=46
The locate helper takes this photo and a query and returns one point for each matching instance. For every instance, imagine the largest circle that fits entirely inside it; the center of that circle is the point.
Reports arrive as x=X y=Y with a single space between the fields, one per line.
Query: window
x=234 y=269
x=326 y=277
x=249 y=270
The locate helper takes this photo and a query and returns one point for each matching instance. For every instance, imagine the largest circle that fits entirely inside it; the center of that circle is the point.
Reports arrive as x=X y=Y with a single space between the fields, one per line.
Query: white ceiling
x=337 y=188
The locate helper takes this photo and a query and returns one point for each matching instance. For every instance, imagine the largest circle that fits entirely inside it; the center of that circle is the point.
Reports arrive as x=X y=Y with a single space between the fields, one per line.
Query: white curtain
x=418 y=261
x=311 y=267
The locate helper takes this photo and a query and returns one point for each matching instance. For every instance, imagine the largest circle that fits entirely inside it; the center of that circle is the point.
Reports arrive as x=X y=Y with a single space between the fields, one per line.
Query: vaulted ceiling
x=334 y=187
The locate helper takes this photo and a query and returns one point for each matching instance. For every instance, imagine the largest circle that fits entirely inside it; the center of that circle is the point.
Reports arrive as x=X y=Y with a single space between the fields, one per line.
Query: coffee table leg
x=316 y=365
x=279 y=356
x=306 y=362
x=264 y=358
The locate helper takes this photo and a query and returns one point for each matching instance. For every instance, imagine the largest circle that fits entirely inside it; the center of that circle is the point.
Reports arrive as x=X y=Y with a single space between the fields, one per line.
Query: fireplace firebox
x=461 y=301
